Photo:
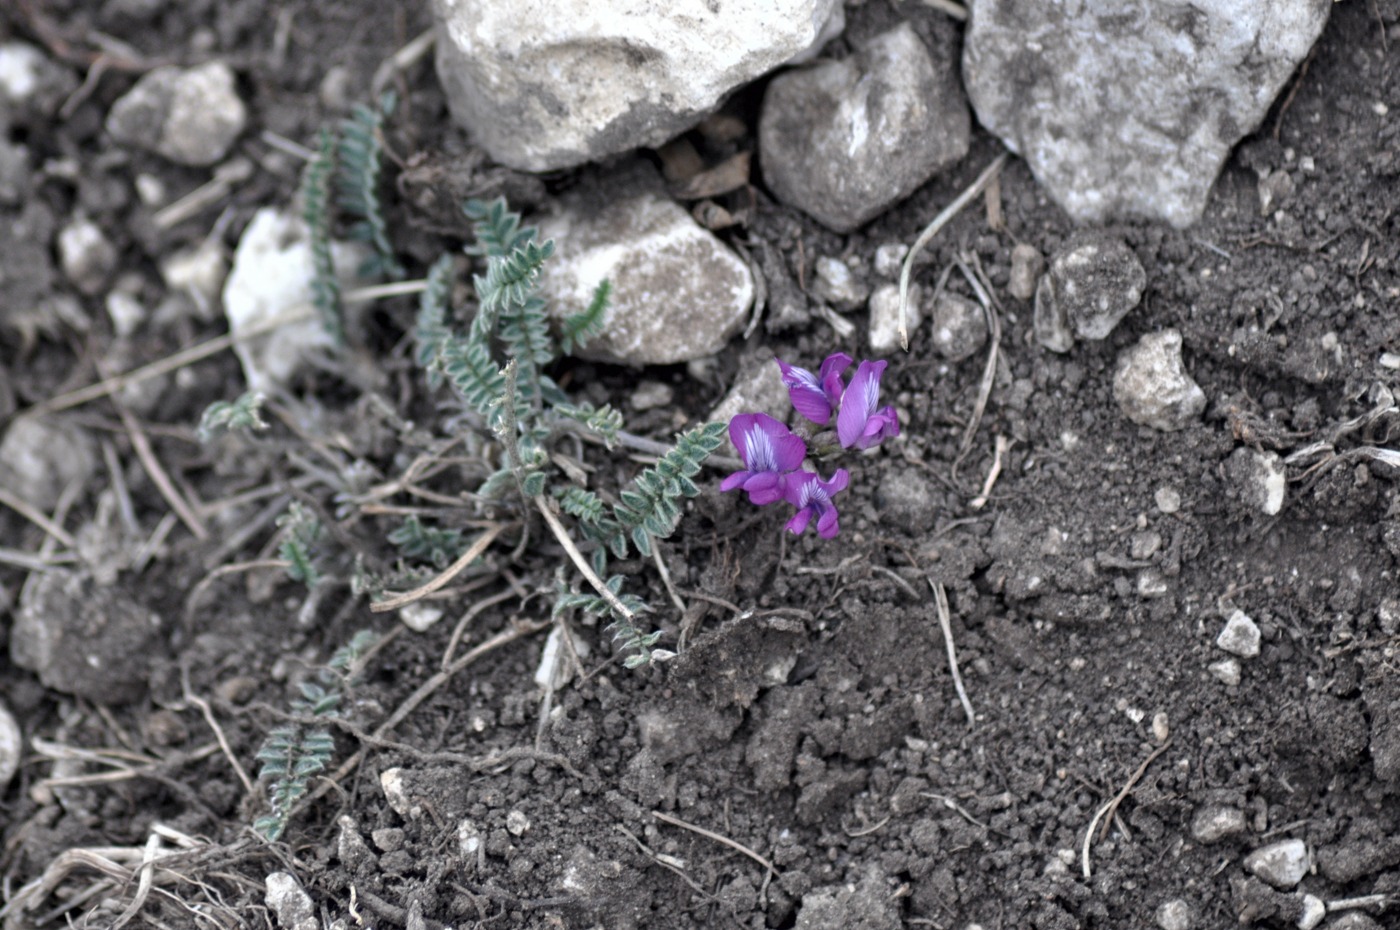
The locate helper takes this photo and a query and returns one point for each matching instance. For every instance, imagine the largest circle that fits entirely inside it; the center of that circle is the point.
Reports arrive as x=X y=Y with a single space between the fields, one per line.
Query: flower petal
x=831 y=384
x=859 y=402
x=736 y=480
x=828 y=524
x=764 y=487
x=799 y=521
x=765 y=444
x=806 y=393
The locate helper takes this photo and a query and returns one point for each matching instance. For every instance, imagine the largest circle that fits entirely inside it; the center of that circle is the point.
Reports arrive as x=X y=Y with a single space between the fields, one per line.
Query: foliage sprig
x=293 y=753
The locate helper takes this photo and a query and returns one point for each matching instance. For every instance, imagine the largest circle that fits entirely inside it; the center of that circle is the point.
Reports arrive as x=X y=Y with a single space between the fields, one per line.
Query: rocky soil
x=1168 y=545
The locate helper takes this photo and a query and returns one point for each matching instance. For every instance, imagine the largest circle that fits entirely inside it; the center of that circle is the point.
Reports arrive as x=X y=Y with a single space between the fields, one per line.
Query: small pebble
x=959 y=327
x=1226 y=671
x=11 y=746
x=191 y=116
x=388 y=839
x=1091 y=285
x=87 y=257
x=290 y=902
x=31 y=83
x=1389 y=615
x=200 y=273
x=1151 y=584
x=837 y=284
x=1215 y=822
x=391 y=781
x=1282 y=864
x=1026 y=266
x=517 y=823
x=884 y=317
x=1144 y=545
x=1258 y=478
x=126 y=312
x=1174 y=915
x=420 y=617
x=889 y=259
x=469 y=839
x=1313 y=912
x=1168 y=500
x=40 y=457
x=1161 y=726
x=1152 y=387
x=1240 y=636
x=651 y=394
x=350 y=846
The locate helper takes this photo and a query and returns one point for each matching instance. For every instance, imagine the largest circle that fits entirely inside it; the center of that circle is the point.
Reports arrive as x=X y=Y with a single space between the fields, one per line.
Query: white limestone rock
x=545 y=86
x=838 y=285
x=1226 y=671
x=32 y=86
x=884 y=317
x=1130 y=110
x=271 y=277
x=1026 y=266
x=1152 y=387
x=844 y=140
x=289 y=901
x=1215 y=822
x=189 y=115
x=1174 y=915
x=11 y=745
x=1257 y=478
x=1282 y=864
x=1240 y=636
x=678 y=293
x=86 y=254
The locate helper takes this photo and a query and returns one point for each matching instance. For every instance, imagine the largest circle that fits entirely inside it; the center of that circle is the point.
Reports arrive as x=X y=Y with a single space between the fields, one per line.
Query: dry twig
x=732 y=844
x=1111 y=807
x=940 y=598
x=452 y=571
x=931 y=230
x=1003 y=445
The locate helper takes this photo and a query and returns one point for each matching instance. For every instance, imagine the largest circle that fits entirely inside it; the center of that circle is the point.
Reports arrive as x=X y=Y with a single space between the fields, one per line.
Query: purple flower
x=770 y=451
x=812 y=497
x=859 y=424
x=816 y=396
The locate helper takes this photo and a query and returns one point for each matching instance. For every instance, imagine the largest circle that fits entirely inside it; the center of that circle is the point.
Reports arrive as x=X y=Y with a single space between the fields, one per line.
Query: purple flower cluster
x=773 y=454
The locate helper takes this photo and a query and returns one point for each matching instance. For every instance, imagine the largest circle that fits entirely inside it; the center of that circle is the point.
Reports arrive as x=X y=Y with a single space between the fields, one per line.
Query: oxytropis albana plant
x=773 y=454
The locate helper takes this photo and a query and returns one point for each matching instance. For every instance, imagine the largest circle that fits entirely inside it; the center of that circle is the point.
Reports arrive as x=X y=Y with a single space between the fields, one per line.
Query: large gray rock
x=84 y=639
x=545 y=87
x=39 y=458
x=191 y=116
x=1130 y=109
x=844 y=140
x=677 y=292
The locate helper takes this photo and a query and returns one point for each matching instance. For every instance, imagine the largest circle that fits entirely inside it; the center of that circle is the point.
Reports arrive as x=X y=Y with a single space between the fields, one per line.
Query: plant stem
x=562 y=534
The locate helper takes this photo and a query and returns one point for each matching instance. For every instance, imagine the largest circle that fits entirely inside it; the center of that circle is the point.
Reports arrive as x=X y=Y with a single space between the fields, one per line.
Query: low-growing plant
x=299 y=548
x=295 y=752
x=529 y=413
x=241 y=415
